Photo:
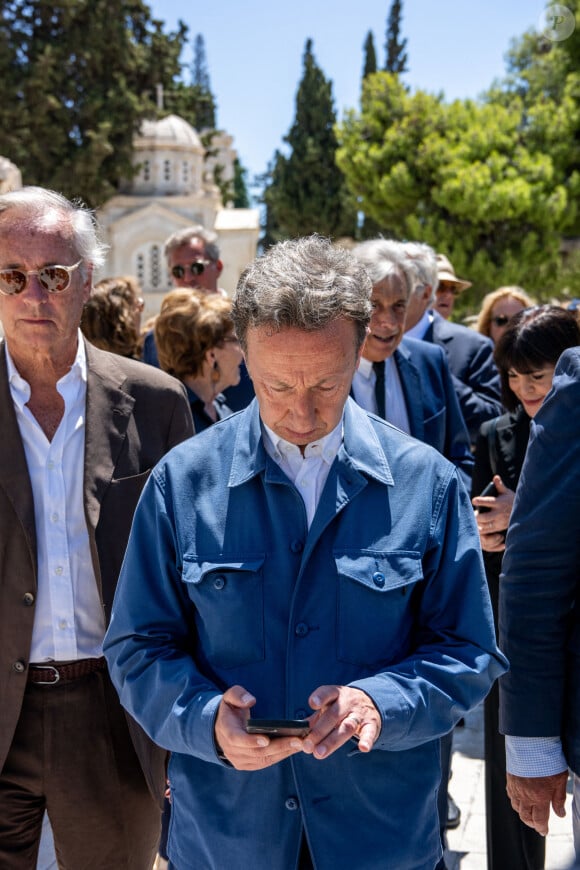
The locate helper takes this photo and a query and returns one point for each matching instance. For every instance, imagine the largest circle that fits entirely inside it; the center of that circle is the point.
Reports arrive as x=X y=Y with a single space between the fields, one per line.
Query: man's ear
x=219 y=266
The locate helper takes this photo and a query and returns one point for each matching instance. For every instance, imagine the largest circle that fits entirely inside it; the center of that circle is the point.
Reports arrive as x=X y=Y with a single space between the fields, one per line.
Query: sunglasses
x=448 y=288
x=198 y=267
x=500 y=320
x=55 y=279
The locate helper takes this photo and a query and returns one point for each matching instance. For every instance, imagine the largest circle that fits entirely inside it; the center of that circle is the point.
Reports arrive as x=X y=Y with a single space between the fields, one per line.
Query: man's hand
x=248 y=751
x=532 y=797
x=344 y=712
x=493 y=523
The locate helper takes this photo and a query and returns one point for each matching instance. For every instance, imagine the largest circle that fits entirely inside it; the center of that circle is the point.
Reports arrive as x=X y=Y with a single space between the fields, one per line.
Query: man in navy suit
x=539 y=612
x=469 y=354
x=418 y=394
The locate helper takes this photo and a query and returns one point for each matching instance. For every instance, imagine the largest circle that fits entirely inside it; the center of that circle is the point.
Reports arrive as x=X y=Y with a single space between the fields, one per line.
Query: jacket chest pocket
x=375 y=605
x=228 y=596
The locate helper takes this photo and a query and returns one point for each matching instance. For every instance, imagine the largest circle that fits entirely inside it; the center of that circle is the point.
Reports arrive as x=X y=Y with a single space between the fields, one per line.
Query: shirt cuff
x=534 y=756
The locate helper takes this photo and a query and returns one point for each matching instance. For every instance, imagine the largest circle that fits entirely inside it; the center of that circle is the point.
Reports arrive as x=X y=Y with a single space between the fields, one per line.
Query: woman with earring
x=195 y=340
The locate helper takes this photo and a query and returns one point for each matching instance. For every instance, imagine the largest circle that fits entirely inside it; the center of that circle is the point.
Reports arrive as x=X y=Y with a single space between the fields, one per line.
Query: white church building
x=173 y=189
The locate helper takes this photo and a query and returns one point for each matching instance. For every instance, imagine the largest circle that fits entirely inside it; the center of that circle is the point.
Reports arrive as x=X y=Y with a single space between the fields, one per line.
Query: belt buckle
x=47 y=668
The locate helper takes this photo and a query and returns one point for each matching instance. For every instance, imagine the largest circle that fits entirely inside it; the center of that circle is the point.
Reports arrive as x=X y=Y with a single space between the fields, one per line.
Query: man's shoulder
x=422 y=352
x=446 y=330
x=130 y=372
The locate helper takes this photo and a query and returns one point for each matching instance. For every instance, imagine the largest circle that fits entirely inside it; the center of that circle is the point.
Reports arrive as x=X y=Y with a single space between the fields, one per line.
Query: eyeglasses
x=500 y=320
x=55 y=279
x=448 y=288
x=196 y=268
x=230 y=339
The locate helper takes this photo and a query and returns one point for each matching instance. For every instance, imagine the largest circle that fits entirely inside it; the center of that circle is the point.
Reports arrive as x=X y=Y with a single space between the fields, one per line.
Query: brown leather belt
x=51 y=674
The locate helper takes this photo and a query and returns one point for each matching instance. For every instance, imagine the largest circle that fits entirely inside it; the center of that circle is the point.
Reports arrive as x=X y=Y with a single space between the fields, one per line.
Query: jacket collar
x=361 y=449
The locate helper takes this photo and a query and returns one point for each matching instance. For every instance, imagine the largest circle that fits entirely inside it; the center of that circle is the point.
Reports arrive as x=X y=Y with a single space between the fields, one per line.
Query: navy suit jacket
x=475 y=376
x=539 y=617
x=432 y=406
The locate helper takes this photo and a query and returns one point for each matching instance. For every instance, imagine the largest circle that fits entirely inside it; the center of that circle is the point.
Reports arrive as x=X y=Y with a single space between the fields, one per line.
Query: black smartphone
x=490 y=489
x=279 y=727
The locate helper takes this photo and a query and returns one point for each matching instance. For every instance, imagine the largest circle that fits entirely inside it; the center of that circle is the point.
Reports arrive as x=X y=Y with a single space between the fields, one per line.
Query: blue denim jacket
x=223 y=583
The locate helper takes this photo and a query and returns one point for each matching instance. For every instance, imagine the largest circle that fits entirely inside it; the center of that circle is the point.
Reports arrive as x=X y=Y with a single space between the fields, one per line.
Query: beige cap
x=446 y=272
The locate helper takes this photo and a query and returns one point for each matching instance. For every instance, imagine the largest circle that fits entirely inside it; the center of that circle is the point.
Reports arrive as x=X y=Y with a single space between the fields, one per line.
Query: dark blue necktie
x=379 y=370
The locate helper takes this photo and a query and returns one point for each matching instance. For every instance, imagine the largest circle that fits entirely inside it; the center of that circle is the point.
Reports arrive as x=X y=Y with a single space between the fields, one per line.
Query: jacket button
x=291 y=803
x=296 y=546
x=19 y=667
x=28 y=599
x=219 y=582
x=301 y=629
x=379 y=579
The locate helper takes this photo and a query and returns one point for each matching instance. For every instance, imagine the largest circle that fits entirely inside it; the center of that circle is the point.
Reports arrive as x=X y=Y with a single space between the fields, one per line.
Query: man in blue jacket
x=303 y=559
x=539 y=616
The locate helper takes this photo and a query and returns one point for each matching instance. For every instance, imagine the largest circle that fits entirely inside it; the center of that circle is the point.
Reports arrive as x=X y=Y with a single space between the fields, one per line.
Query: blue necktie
x=379 y=370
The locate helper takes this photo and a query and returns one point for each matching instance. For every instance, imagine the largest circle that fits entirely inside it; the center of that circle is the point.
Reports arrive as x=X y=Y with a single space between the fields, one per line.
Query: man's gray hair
x=303 y=284
x=186 y=236
x=381 y=257
x=424 y=260
x=38 y=206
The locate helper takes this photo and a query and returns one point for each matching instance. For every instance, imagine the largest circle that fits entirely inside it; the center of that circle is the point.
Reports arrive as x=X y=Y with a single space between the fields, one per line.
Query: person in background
x=196 y=343
x=449 y=286
x=539 y=612
x=193 y=260
x=111 y=318
x=526 y=355
x=498 y=307
x=81 y=429
x=406 y=381
x=303 y=558
x=469 y=354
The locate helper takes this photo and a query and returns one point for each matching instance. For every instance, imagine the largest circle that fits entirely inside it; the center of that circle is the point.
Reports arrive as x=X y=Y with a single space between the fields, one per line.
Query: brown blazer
x=134 y=415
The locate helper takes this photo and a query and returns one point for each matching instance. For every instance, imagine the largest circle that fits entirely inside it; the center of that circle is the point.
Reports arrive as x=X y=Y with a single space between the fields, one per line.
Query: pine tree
x=78 y=77
x=370 y=61
x=307 y=193
x=396 y=56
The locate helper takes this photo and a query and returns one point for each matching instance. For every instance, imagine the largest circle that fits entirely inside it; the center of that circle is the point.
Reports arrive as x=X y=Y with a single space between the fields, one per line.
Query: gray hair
x=304 y=284
x=424 y=261
x=381 y=257
x=186 y=236
x=37 y=206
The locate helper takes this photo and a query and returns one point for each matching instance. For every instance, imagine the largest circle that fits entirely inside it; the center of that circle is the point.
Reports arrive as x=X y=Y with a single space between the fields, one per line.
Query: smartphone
x=279 y=727
x=490 y=489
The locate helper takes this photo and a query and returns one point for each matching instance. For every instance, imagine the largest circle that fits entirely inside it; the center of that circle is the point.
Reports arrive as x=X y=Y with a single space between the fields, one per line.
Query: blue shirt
x=224 y=583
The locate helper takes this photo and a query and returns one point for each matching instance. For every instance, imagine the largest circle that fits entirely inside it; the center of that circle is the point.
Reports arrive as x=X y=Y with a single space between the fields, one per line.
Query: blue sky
x=254 y=52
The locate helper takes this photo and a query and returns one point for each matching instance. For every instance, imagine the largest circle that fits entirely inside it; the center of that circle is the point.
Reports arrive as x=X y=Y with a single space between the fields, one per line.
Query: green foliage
x=395 y=54
x=241 y=197
x=195 y=102
x=78 y=77
x=474 y=180
x=307 y=193
x=370 y=55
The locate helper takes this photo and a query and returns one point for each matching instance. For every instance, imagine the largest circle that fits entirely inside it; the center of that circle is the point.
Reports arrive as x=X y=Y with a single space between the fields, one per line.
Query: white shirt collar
x=20 y=388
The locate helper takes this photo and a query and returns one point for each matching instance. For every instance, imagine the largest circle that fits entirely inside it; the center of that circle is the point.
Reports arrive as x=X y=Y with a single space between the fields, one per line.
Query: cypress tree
x=396 y=56
x=307 y=192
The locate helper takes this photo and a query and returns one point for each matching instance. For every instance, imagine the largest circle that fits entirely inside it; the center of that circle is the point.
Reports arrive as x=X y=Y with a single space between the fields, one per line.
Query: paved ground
x=467 y=842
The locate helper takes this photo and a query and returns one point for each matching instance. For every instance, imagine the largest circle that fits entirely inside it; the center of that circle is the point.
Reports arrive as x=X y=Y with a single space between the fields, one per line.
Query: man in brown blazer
x=81 y=430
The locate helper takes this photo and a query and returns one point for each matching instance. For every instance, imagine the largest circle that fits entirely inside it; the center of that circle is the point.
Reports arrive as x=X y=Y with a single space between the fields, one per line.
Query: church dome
x=169 y=132
x=169 y=156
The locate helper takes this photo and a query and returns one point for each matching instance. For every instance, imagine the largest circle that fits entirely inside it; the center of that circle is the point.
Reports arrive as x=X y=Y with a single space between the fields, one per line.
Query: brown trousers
x=72 y=754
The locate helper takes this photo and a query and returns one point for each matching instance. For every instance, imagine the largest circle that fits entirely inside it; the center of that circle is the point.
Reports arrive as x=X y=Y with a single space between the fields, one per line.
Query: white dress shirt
x=307 y=472
x=363 y=388
x=418 y=331
x=69 y=622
